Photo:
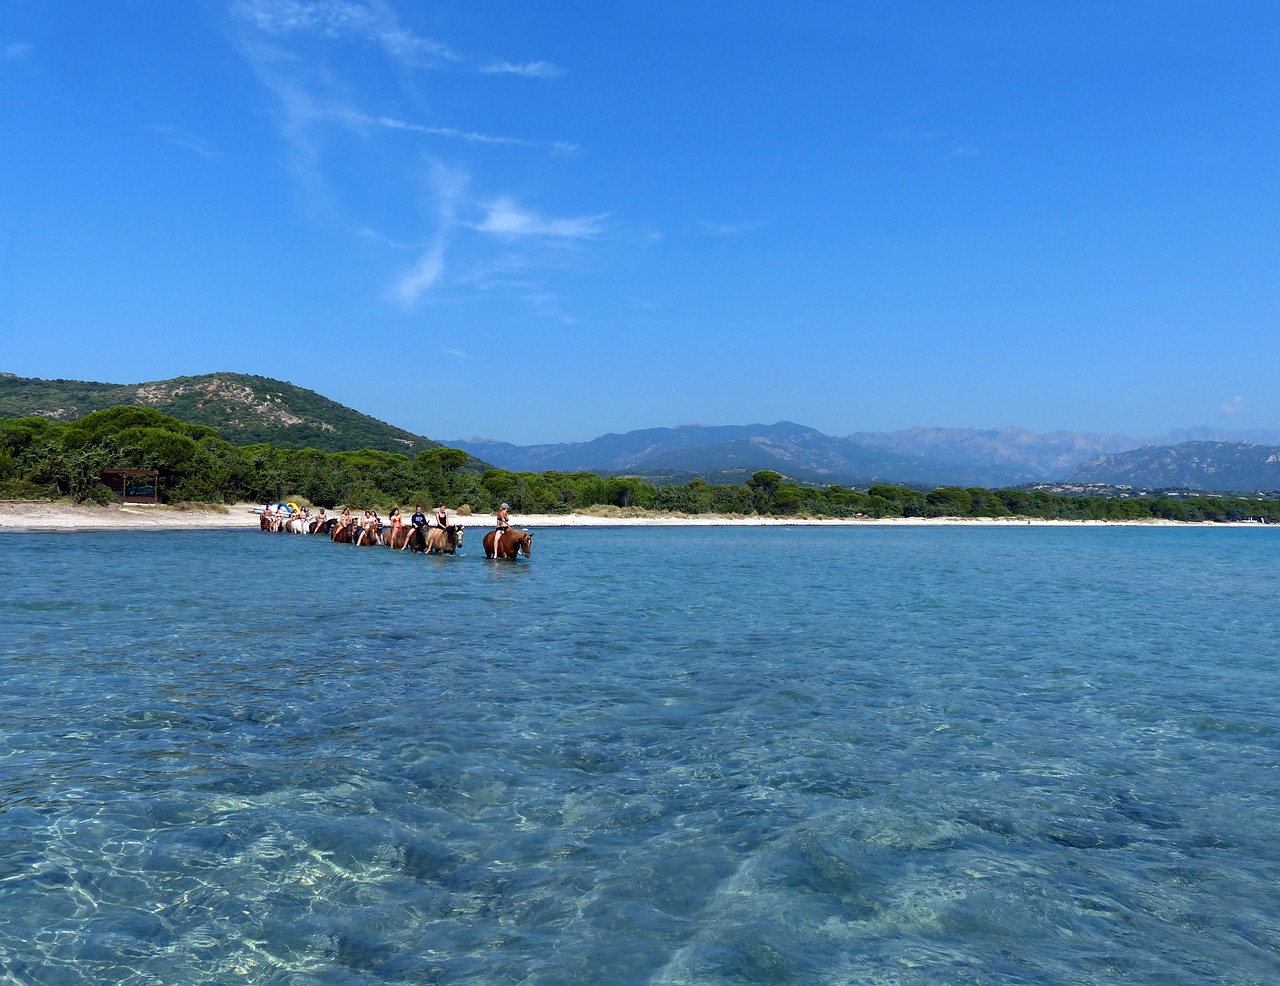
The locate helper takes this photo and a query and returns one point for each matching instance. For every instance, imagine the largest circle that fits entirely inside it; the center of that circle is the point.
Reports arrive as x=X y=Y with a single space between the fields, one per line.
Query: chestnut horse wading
x=513 y=542
x=398 y=538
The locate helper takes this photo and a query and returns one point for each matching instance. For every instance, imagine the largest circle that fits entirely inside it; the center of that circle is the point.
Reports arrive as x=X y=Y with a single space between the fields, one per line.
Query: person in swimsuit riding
x=504 y=524
x=442 y=521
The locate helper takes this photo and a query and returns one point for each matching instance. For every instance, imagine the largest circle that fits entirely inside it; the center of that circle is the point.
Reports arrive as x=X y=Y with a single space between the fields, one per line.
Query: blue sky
x=544 y=222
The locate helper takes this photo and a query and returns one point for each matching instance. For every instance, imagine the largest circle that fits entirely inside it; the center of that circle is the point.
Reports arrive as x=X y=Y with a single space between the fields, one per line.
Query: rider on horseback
x=442 y=521
x=504 y=523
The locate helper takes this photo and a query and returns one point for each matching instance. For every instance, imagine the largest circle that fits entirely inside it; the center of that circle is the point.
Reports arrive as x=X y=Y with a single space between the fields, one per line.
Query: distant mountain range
x=244 y=409
x=247 y=409
x=1209 y=466
x=733 y=452
x=924 y=457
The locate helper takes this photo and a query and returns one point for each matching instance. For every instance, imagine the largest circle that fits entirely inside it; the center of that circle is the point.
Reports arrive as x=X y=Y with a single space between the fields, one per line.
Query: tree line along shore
x=40 y=458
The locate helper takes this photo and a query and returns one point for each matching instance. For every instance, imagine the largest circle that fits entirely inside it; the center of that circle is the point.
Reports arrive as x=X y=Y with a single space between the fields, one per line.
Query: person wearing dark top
x=442 y=521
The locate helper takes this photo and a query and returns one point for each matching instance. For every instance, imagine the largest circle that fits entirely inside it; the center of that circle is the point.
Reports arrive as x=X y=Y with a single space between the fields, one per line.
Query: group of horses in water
x=427 y=539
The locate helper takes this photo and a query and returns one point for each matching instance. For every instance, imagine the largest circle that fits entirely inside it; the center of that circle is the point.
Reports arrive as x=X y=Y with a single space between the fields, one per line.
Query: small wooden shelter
x=133 y=485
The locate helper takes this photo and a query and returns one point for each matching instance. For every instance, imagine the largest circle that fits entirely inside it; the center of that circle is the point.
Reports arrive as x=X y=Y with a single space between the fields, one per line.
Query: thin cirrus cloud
x=450 y=186
x=726 y=229
x=534 y=70
x=12 y=51
x=1233 y=406
x=187 y=141
x=470 y=136
x=423 y=276
x=312 y=94
x=337 y=19
x=504 y=218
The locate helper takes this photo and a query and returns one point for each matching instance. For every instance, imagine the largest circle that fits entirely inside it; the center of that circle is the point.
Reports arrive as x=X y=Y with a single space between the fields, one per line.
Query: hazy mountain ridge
x=1036 y=457
x=813 y=457
x=1253 y=436
x=619 y=452
x=1207 y=466
x=244 y=409
x=917 y=456
x=796 y=450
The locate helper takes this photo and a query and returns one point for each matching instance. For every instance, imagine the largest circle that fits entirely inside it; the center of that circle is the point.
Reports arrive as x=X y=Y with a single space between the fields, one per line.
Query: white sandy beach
x=60 y=516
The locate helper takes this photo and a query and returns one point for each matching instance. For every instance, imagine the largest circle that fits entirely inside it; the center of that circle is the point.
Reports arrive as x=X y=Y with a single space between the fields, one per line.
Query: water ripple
x=694 y=756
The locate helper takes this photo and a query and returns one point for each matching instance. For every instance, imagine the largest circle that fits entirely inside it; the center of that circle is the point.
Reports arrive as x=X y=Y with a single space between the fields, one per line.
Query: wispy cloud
x=190 y=142
x=385 y=240
x=375 y=24
x=1233 y=406
x=424 y=275
x=504 y=218
x=449 y=186
x=311 y=92
x=534 y=70
x=726 y=229
x=14 y=51
x=470 y=136
x=331 y=66
x=344 y=19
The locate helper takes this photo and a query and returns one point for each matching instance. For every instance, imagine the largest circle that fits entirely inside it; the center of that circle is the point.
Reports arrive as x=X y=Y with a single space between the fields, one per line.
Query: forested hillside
x=243 y=409
x=42 y=458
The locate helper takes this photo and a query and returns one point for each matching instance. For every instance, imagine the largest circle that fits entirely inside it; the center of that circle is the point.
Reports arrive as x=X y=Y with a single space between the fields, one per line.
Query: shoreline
x=43 y=516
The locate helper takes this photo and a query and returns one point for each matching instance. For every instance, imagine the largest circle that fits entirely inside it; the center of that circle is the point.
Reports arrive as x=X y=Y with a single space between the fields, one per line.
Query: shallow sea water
x=725 y=755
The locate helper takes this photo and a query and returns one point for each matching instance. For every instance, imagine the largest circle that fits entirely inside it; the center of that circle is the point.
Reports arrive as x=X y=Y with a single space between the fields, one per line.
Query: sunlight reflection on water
x=672 y=756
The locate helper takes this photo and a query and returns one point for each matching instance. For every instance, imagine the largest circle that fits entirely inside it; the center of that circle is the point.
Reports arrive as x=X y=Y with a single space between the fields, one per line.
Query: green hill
x=243 y=409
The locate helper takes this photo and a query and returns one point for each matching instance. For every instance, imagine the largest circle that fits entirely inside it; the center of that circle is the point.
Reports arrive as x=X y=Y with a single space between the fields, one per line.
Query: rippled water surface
x=869 y=755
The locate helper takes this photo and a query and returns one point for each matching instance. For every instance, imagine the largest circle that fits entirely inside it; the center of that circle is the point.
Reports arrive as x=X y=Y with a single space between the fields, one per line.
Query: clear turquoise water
x=870 y=755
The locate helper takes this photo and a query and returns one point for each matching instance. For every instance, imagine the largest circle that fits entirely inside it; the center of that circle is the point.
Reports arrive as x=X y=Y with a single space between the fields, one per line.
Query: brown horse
x=512 y=543
x=445 y=540
x=266 y=523
x=400 y=539
x=317 y=526
x=343 y=533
